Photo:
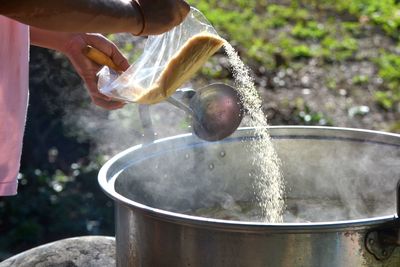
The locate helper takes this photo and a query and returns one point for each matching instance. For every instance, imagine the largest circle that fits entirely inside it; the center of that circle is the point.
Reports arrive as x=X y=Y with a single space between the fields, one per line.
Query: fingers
x=162 y=15
x=109 y=105
x=110 y=49
x=87 y=69
x=184 y=9
x=100 y=99
x=119 y=59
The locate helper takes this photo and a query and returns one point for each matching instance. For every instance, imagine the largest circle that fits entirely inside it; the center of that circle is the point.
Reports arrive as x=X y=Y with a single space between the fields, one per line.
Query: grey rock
x=86 y=251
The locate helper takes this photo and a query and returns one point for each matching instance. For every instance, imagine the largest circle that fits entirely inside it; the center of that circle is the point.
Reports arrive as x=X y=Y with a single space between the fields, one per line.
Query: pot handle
x=398 y=200
x=382 y=242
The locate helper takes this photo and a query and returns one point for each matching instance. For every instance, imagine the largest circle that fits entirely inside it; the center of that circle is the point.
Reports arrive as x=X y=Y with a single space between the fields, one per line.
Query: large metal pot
x=153 y=184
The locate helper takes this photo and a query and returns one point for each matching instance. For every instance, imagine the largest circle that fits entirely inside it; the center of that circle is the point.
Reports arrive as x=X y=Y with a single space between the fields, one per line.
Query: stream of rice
x=269 y=184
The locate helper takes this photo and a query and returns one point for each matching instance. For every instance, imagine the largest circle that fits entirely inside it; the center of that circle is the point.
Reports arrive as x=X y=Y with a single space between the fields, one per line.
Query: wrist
x=140 y=17
x=50 y=39
x=73 y=43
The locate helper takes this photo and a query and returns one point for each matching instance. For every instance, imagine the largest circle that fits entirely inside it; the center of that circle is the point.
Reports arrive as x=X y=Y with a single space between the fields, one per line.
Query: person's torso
x=14 y=60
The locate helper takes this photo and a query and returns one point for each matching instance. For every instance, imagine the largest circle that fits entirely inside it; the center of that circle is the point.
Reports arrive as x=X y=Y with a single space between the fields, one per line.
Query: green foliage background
x=59 y=195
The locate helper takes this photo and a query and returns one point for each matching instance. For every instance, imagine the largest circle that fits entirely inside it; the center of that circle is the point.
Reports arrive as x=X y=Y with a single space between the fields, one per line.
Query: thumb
x=183 y=8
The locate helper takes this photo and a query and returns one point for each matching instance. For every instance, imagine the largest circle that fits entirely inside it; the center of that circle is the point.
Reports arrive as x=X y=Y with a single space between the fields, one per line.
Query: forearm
x=76 y=15
x=50 y=39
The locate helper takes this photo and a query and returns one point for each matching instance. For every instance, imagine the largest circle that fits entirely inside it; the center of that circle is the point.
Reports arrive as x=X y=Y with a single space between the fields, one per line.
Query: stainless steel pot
x=153 y=184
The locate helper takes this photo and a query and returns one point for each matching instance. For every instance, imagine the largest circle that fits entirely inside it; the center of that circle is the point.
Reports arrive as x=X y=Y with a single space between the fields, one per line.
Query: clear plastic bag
x=167 y=62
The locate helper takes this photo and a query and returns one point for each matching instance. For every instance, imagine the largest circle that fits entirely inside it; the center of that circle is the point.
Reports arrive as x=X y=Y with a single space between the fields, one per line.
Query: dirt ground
x=314 y=92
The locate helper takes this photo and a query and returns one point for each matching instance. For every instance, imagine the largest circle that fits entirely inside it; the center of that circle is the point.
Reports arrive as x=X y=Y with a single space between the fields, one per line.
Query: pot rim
x=107 y=186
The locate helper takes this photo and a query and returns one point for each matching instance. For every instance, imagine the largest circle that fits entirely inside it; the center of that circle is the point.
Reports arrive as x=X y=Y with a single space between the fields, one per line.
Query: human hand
x=87 y=69
x=162 y=15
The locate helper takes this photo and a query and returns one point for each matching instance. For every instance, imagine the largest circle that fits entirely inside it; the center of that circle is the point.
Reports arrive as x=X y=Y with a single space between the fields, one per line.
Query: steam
x=118 y=130
x=340 y=180
x=326 y=180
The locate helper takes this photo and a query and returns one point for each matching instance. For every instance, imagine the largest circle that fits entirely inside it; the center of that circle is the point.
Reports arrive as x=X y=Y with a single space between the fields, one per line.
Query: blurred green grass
x=301 y=29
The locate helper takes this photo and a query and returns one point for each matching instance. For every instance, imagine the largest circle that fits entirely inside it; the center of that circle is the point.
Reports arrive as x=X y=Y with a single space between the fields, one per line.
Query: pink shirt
x=14 y=57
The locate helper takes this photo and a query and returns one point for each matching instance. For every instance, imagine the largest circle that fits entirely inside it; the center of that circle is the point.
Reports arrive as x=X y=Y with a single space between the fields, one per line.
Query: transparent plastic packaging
x=167 y=62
